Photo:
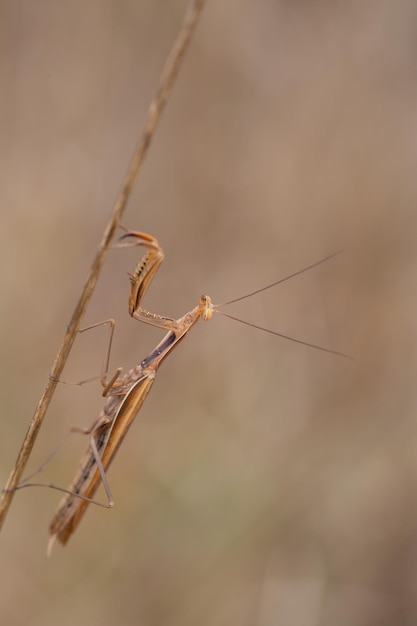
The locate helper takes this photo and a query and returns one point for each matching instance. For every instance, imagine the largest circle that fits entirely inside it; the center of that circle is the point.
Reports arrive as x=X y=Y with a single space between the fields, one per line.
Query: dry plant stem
x=168 y=76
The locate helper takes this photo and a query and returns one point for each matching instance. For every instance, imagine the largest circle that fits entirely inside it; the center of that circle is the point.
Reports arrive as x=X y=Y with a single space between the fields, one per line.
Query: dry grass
x=168 y=76
x=263 y=483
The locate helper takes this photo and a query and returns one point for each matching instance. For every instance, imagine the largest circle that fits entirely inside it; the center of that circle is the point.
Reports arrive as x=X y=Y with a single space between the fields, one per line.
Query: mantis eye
x=207 y=307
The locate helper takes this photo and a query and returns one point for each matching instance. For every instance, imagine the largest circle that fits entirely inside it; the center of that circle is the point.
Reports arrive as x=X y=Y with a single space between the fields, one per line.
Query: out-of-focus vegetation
x=263 y=483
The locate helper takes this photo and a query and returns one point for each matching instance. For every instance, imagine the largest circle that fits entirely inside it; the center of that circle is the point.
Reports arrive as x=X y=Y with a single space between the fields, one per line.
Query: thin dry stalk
x=169 y=73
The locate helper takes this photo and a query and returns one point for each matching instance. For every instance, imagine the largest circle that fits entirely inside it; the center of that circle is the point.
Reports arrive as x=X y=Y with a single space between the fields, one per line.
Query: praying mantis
x=126 y=393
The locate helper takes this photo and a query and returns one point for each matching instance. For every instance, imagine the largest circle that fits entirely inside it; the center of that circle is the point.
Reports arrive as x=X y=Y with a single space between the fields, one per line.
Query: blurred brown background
x=263 y=483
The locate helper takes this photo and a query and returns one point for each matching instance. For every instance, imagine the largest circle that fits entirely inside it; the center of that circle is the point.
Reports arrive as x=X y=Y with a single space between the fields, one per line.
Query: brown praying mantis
x=126 y=393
